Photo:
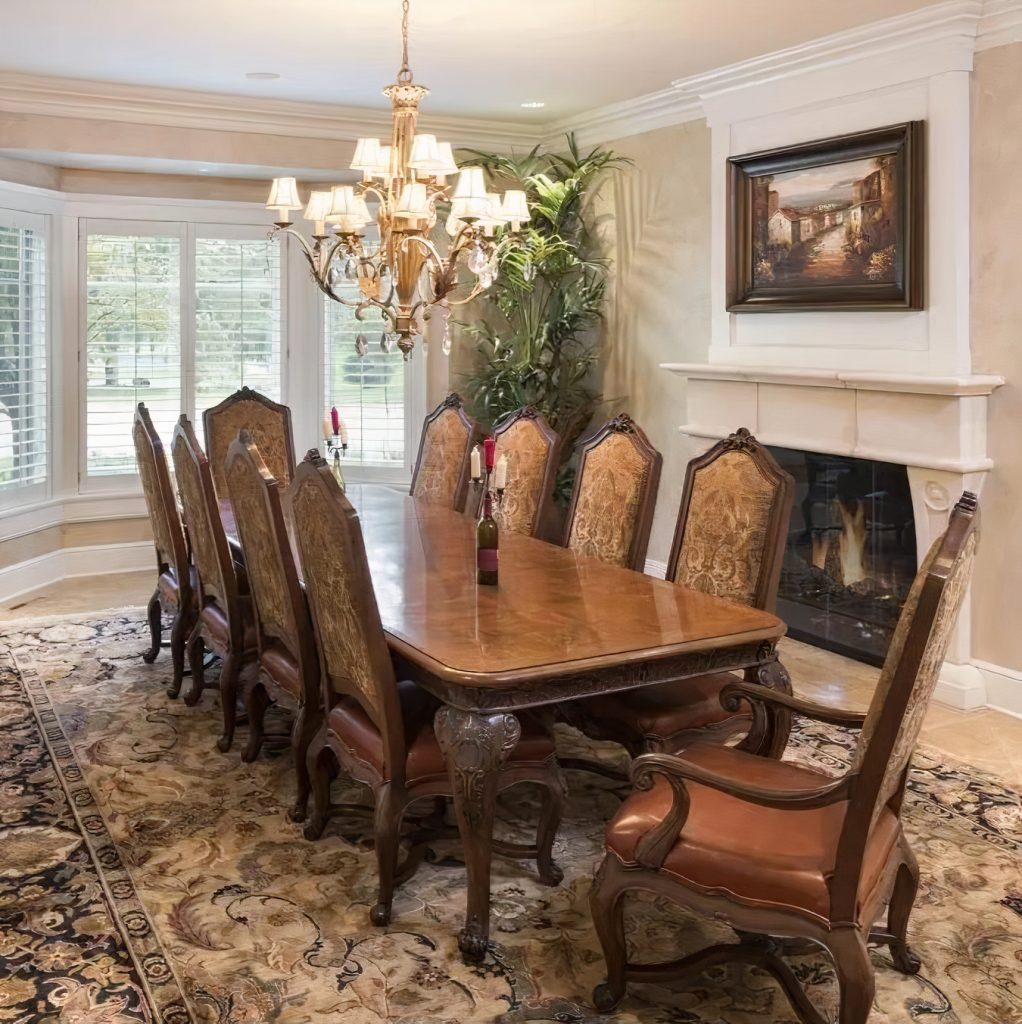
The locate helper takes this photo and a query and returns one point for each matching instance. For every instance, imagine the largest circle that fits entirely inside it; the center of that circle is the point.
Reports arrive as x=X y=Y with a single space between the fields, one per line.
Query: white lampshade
x=475 y=207
x=367 y=155
x=318 y=206
x=494 y=214
x=425 y=155
x=515 y=208
x=342 y=202
x=453 y=224
x=446 y=159
x=362 y=211
x=471 y=184
x=383 y=168
x=414 y=201
x=284 y=195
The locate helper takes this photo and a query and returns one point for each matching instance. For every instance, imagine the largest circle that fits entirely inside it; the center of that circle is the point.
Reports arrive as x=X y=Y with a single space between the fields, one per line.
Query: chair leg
x=197 y=666
x=302 y=735
x=257 y=700
x=153 y=615
x=546 y=832
x=178 y=642
x=906 y=885
x=855 y=974
x=387 y=831
x=229 y=699
x=607 y=910
x=317 y=760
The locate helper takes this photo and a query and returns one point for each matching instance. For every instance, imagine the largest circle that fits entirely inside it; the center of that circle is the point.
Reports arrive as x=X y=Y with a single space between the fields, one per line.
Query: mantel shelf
x=857 y=380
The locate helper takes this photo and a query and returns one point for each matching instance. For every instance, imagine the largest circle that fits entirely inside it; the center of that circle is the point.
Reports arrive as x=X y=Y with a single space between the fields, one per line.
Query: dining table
x=559 y=626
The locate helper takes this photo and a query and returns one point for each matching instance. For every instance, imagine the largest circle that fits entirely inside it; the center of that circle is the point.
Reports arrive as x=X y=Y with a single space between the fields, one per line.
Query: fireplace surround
x=934 y=426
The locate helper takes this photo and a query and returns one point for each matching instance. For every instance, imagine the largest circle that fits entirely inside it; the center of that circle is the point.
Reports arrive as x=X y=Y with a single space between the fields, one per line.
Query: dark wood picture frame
x=905 y=142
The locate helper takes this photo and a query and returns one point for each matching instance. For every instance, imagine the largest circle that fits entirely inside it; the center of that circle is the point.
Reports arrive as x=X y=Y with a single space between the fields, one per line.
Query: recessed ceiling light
x=534 y=105
x=262 y=76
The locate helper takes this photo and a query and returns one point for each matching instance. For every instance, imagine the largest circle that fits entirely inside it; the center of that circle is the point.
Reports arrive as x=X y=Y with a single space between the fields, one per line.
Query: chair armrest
x=734 y=693
x=657 y=843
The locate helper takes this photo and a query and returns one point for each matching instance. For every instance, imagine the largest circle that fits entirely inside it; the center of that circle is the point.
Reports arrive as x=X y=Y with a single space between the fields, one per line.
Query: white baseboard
x=961 y=686
x=654 y=568
x=1003 y=687
x=69 y=563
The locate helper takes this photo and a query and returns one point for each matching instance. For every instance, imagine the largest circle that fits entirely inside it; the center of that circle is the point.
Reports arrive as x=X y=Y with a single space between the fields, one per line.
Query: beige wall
x=657 y=231
x=73 y=535
x=997 y=345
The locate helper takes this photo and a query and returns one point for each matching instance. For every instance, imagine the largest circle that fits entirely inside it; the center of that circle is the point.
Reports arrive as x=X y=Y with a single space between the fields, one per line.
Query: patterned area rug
x=146 y=877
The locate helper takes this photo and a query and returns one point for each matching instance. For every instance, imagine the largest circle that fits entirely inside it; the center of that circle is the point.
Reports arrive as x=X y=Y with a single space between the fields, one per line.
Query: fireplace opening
x=851 y=552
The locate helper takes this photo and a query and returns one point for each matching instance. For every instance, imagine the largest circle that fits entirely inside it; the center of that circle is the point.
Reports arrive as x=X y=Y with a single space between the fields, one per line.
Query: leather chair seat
x=665 y=709
x=170 y=588
x=425 y=759
x=758 y=855
x=277 y=662
x=215 y=620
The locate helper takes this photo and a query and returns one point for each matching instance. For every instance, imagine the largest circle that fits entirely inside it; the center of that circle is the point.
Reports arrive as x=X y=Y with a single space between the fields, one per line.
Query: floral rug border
x=128 y=912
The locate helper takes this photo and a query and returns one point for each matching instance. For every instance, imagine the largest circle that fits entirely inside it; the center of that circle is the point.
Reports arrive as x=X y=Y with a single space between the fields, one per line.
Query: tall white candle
x=328 y=428
x=477 y=469
x=500 y=477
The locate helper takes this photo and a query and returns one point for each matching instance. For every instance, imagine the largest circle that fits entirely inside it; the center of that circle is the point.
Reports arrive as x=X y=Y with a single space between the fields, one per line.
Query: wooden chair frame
x=209 y=420
x=623 y=424
x=238 y=661
x=452 y=401
x=393 y=793
x=554 y=444
x=178 y=599
x=299 y=642
x=847 y=928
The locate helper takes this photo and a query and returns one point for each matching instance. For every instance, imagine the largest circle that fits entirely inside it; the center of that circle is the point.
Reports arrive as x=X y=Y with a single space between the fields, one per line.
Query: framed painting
x=834 y=224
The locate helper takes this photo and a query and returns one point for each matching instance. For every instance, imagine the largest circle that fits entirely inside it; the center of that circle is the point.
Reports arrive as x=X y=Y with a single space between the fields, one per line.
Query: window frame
x=26 y=494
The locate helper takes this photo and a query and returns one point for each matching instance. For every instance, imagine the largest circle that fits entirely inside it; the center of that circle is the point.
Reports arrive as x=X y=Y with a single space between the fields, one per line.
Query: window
x=132 y=343
x=178 y=318
x=23 y=403
x=369 y=391
x=237 y=319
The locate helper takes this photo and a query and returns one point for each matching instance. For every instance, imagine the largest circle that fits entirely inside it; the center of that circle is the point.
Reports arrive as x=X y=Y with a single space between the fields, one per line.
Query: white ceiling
x=479 y=58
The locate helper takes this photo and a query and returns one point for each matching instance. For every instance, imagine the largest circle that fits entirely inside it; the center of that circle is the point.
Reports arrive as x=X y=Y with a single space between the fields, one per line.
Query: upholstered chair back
x=168 y=535
x=733 y=523
x=214 y=567
x=281 y=612
x=532 y=449
x=442 y=467
x=268 y=424
x=353 y=654
x=611 y=509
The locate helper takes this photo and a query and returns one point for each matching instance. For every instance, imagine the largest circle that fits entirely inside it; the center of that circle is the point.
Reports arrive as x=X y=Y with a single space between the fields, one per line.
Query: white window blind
x=23 y=448
x=370 y=391
x=237 y=319
x=132 y=343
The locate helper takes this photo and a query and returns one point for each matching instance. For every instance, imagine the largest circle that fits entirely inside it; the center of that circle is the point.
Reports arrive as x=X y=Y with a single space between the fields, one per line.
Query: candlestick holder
x=336 y=447
x=482 y=483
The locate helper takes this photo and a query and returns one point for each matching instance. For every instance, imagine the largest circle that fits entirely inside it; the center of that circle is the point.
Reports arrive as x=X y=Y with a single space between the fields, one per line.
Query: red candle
x=489 y=447
x=335 y=420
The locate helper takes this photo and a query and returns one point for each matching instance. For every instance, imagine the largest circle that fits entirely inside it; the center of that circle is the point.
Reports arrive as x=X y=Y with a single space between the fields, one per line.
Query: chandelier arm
x=430 y=248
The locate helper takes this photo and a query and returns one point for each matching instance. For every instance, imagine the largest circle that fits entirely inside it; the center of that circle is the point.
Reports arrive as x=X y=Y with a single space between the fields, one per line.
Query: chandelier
x=406 y=275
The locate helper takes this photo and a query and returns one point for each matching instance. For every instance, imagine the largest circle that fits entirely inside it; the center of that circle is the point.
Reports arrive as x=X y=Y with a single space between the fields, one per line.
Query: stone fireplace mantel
x=936 y=426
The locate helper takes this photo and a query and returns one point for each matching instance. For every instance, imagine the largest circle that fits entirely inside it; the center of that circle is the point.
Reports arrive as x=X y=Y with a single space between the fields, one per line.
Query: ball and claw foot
x=906 y=960
x=473 y=947
x=380 y=915
x=150 y=656
x=604 y=998
x=314 y=827
x=552 y=875
x=224 y=744
x=296 y=814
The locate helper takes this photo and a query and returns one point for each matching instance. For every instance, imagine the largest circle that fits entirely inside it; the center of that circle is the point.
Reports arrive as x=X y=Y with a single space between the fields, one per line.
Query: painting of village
x=826 y=225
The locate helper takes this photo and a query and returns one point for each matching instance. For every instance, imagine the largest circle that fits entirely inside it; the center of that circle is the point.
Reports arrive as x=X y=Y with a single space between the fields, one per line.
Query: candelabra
x=336 y=446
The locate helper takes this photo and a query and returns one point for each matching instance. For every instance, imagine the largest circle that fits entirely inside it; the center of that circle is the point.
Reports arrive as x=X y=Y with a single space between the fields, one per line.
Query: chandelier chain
x=405 y=74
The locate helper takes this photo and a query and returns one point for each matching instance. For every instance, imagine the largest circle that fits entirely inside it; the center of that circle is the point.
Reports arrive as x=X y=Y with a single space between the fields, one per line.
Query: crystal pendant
x=386 y=342
x=333 y=277
x=445 y=342
x=361 y=345
x=351 y=269
x=477 y=260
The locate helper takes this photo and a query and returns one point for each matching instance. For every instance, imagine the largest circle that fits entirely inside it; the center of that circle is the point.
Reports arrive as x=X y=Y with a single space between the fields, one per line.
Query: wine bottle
x=486 y=545
x=336 y=469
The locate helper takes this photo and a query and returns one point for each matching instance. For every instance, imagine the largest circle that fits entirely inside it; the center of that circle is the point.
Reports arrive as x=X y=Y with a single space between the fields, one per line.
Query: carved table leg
x=768 y=736
x=475 y=746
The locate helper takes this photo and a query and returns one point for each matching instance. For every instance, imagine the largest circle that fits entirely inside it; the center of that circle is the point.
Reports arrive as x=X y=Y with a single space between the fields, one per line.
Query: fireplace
x=851 y=552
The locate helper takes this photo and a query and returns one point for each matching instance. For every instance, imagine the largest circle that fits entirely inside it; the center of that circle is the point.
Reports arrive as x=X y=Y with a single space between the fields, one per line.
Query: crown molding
x=1001 y=24
x=181 y=108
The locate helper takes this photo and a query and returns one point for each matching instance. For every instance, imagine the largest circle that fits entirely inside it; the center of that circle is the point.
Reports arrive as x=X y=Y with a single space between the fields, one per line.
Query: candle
x=477 y=470
x=489 y=446
x=327 y=430
x=343 y=431
x=335 y=420
x=500 y=477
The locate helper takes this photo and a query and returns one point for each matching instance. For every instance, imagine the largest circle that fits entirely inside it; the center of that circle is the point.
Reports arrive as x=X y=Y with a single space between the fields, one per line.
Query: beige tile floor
x=990 y=740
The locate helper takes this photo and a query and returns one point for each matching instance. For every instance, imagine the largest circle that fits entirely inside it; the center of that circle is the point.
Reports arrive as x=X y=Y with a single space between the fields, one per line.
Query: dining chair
x=776 y=849
x=268 y=423
x=224 y=622
x=174 y=593
x=379 y=730
x=288 y=668
x=729 y=542
x=443 y=463
x=532 y=451
x=612 y=503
